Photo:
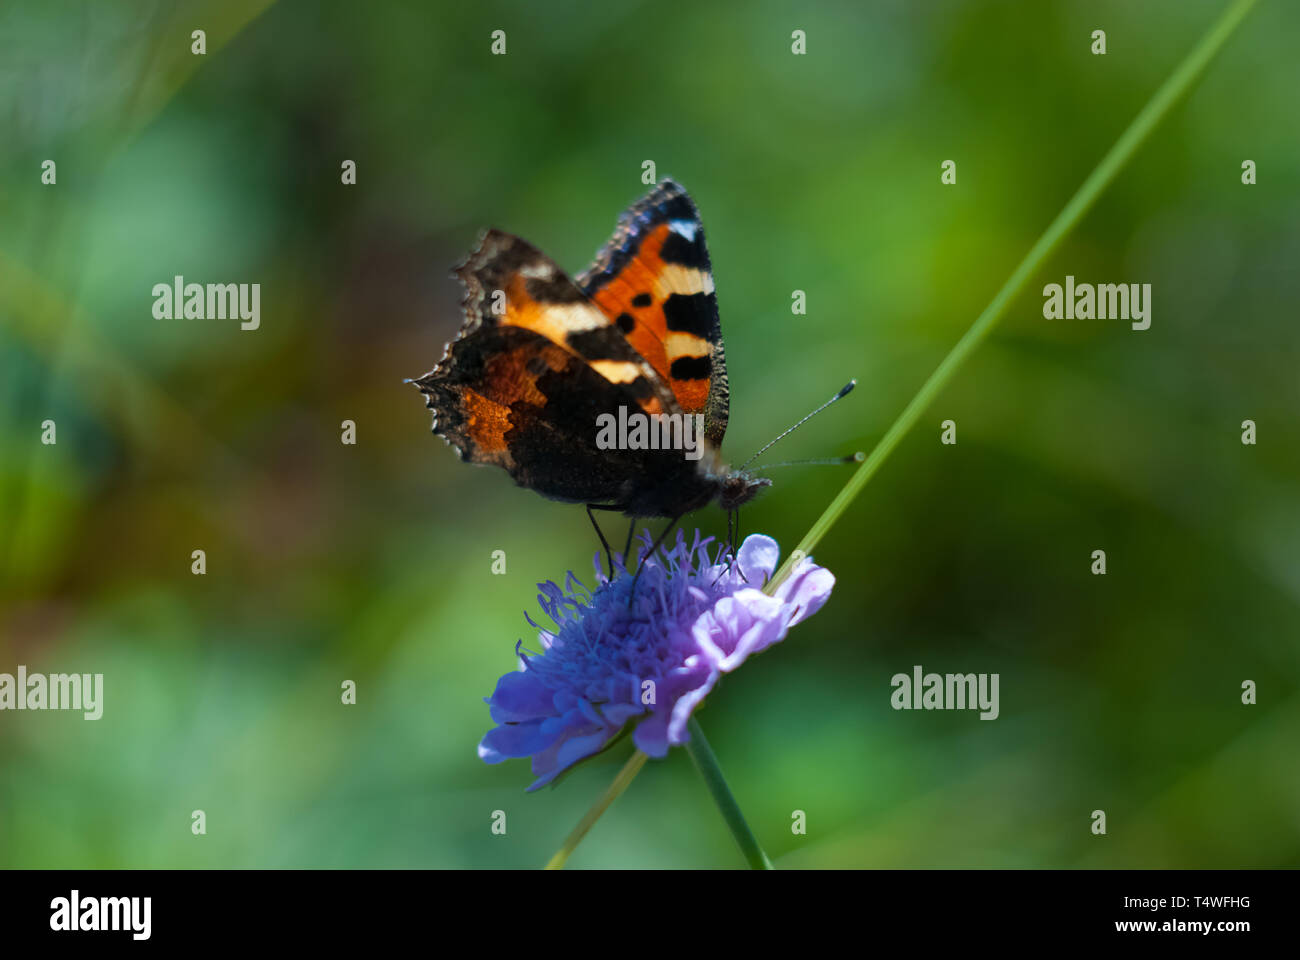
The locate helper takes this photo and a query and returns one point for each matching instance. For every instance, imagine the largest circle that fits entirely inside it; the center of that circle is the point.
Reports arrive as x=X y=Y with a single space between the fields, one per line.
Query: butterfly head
x=739 y=488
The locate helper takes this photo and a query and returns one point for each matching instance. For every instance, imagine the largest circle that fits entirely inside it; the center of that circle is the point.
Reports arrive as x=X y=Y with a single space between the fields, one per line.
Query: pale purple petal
x=757 y=558
x=806 y=589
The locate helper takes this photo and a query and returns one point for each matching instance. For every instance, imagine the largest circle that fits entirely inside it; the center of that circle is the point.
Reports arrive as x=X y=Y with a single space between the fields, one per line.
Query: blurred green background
x=373 y=562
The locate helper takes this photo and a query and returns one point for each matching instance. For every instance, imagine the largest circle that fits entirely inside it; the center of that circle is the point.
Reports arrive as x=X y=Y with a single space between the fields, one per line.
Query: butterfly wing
x=654 y=279
x=534 y=366
x=510 y=283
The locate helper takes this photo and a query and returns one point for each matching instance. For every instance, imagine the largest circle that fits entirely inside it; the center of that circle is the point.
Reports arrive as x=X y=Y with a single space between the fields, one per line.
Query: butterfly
x=545 y=364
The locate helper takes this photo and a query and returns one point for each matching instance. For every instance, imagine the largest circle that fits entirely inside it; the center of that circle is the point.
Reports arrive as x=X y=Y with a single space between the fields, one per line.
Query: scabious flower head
x=693 y=616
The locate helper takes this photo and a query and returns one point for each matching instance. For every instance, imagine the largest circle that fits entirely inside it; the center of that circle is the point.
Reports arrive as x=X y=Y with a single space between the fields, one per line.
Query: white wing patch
x=684 y=228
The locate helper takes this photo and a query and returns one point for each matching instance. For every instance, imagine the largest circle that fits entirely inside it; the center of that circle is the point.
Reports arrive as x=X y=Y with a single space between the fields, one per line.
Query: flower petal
x=755 y=622
x=514 y=740
x=757 y=558
x=807 y=588
x=651 y=735
x=520 y=696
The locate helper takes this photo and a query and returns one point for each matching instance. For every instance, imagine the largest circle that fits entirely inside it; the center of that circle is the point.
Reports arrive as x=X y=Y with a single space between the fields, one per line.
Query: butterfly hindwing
x=507 y=396
x=654 y=279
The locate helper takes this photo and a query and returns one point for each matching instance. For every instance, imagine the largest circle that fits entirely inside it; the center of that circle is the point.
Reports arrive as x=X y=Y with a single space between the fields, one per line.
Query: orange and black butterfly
x=544 y=362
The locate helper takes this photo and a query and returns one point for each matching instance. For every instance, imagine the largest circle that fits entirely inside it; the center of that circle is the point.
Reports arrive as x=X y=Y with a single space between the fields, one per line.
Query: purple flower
x=693 y=617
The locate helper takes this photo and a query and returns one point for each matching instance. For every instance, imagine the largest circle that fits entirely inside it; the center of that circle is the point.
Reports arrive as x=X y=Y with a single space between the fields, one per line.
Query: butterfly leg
x=735 y=545
x=627 y=547
x=729 y=550
x=603 y=542
x=733 y=536
x=646 y=556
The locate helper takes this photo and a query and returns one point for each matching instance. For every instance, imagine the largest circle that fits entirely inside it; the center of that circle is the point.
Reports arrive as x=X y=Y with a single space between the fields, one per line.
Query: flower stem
x=625 y=777
x=1170 y=92
x=707 y=764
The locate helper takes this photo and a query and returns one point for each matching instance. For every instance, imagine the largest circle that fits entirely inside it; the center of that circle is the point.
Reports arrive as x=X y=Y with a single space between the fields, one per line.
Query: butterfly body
x=543 y=360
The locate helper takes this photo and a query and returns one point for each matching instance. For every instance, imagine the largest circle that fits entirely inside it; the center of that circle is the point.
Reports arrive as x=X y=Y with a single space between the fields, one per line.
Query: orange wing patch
x=472 y=400
x=555 y=320
x=508 y=377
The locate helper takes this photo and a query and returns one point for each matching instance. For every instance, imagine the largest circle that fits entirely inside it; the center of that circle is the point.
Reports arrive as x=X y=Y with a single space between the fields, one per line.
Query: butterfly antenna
x=827 y=461
x=844 y=392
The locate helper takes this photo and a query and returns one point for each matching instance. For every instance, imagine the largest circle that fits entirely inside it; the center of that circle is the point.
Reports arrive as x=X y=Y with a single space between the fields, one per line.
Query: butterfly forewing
x=655 y=279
